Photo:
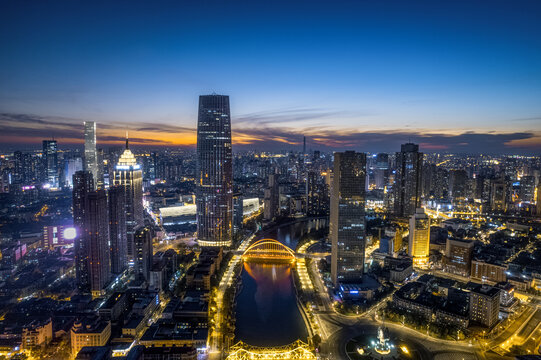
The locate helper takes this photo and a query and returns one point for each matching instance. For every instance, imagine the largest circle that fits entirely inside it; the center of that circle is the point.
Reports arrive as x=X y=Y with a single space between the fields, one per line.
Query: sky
x=453 y=76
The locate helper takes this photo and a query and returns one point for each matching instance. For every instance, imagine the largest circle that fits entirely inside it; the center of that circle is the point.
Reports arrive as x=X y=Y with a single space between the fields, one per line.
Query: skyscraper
x=50 y=162
x=83 y=184
x=419 y=238
x=143 y=252
x=407 y=187
x=129 y=176
x=317 y=195
x=214 y=193
x=117 y=229
x=91 y=155
x=96 y=237
x=347 y=227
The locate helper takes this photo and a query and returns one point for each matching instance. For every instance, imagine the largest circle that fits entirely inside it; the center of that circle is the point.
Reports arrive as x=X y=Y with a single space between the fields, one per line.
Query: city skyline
x=360 y=76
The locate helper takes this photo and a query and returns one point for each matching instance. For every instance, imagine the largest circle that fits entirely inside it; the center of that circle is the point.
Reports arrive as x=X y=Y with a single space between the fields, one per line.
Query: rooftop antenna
x=126 y=139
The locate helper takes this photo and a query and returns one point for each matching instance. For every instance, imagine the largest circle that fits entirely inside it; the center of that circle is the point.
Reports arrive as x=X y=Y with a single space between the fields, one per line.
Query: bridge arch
x=269 y=249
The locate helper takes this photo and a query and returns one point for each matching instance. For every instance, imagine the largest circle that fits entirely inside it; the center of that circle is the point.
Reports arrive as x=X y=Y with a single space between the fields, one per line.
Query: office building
x=419 y=238
x=347 y=225
x=271 y=200
x=50 y=163
x=407 y=186
x=96 y=237
x=498 y=195
x=91 y=155
x=458 y=256
x=485 y=305
x=143 y=252
x=214 y=172
x=129 y=176
x=83 y=184
x=117 y=229
x=317 y=195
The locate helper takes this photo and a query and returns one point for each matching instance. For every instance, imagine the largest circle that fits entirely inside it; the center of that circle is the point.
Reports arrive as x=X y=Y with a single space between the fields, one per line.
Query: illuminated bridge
x=297 y=350
x=268 y=250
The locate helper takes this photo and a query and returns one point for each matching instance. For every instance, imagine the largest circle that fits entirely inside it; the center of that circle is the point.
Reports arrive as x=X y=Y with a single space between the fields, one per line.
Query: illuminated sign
x=70 y=233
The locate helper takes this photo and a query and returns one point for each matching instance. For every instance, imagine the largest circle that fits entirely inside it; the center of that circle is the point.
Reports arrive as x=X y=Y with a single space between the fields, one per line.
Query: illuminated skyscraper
x=214 y=196
x=128 y=174
x=347 y=227
x=419 y=238
x=96 y=237
x=117 y=229
x=91 y=155
x=407 y=186
x=50 y=162
x=83 y=184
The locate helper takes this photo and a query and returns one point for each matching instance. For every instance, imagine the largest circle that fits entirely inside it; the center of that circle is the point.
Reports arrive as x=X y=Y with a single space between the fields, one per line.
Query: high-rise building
x=214 y=196
x=129 y=176
x=143 y=252
x=271 y=200
x=498 y=195
x=50 y=162
x=419 y=238
x=238 y=211
x=347 y=226
x=117 y=229
x=485 y=305
x=91 y=155
x=407 y=186
x=317 y=195
x=83 y=183
x=96 y=237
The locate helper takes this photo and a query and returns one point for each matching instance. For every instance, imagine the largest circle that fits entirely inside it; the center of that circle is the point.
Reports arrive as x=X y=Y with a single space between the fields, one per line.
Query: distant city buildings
x=347 y=223
x=214 y=179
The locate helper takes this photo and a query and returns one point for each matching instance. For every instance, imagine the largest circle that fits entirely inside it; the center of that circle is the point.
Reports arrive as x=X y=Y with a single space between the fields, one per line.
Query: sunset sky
x=464 y=76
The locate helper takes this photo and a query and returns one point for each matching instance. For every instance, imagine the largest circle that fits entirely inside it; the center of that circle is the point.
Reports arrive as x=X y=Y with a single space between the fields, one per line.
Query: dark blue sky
x=362 y=74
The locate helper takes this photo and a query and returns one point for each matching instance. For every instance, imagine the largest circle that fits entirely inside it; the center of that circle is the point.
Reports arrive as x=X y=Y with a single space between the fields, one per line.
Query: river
x=267 y=312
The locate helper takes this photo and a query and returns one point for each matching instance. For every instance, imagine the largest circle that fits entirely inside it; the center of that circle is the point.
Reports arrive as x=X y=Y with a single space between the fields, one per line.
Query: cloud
x=534 y=118
x=17 y=129
x=291 y=115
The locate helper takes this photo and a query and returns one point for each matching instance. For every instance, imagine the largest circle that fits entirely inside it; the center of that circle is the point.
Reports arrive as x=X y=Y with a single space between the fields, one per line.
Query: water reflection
x=267 y=313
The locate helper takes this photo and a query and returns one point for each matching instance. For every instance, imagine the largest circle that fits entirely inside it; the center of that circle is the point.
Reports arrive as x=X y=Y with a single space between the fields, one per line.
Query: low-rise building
x=37 y=333
x=89 y=331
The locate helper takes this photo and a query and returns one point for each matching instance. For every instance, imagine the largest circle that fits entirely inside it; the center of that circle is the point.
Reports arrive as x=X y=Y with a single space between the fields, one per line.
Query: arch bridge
x=268 y=250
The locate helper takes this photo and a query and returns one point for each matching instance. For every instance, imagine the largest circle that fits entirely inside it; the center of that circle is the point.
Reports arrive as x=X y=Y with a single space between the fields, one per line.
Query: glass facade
x=347 y=228
x=214 y=196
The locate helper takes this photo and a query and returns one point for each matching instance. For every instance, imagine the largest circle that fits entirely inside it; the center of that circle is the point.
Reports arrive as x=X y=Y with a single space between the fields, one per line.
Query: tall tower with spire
x=129 y=176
